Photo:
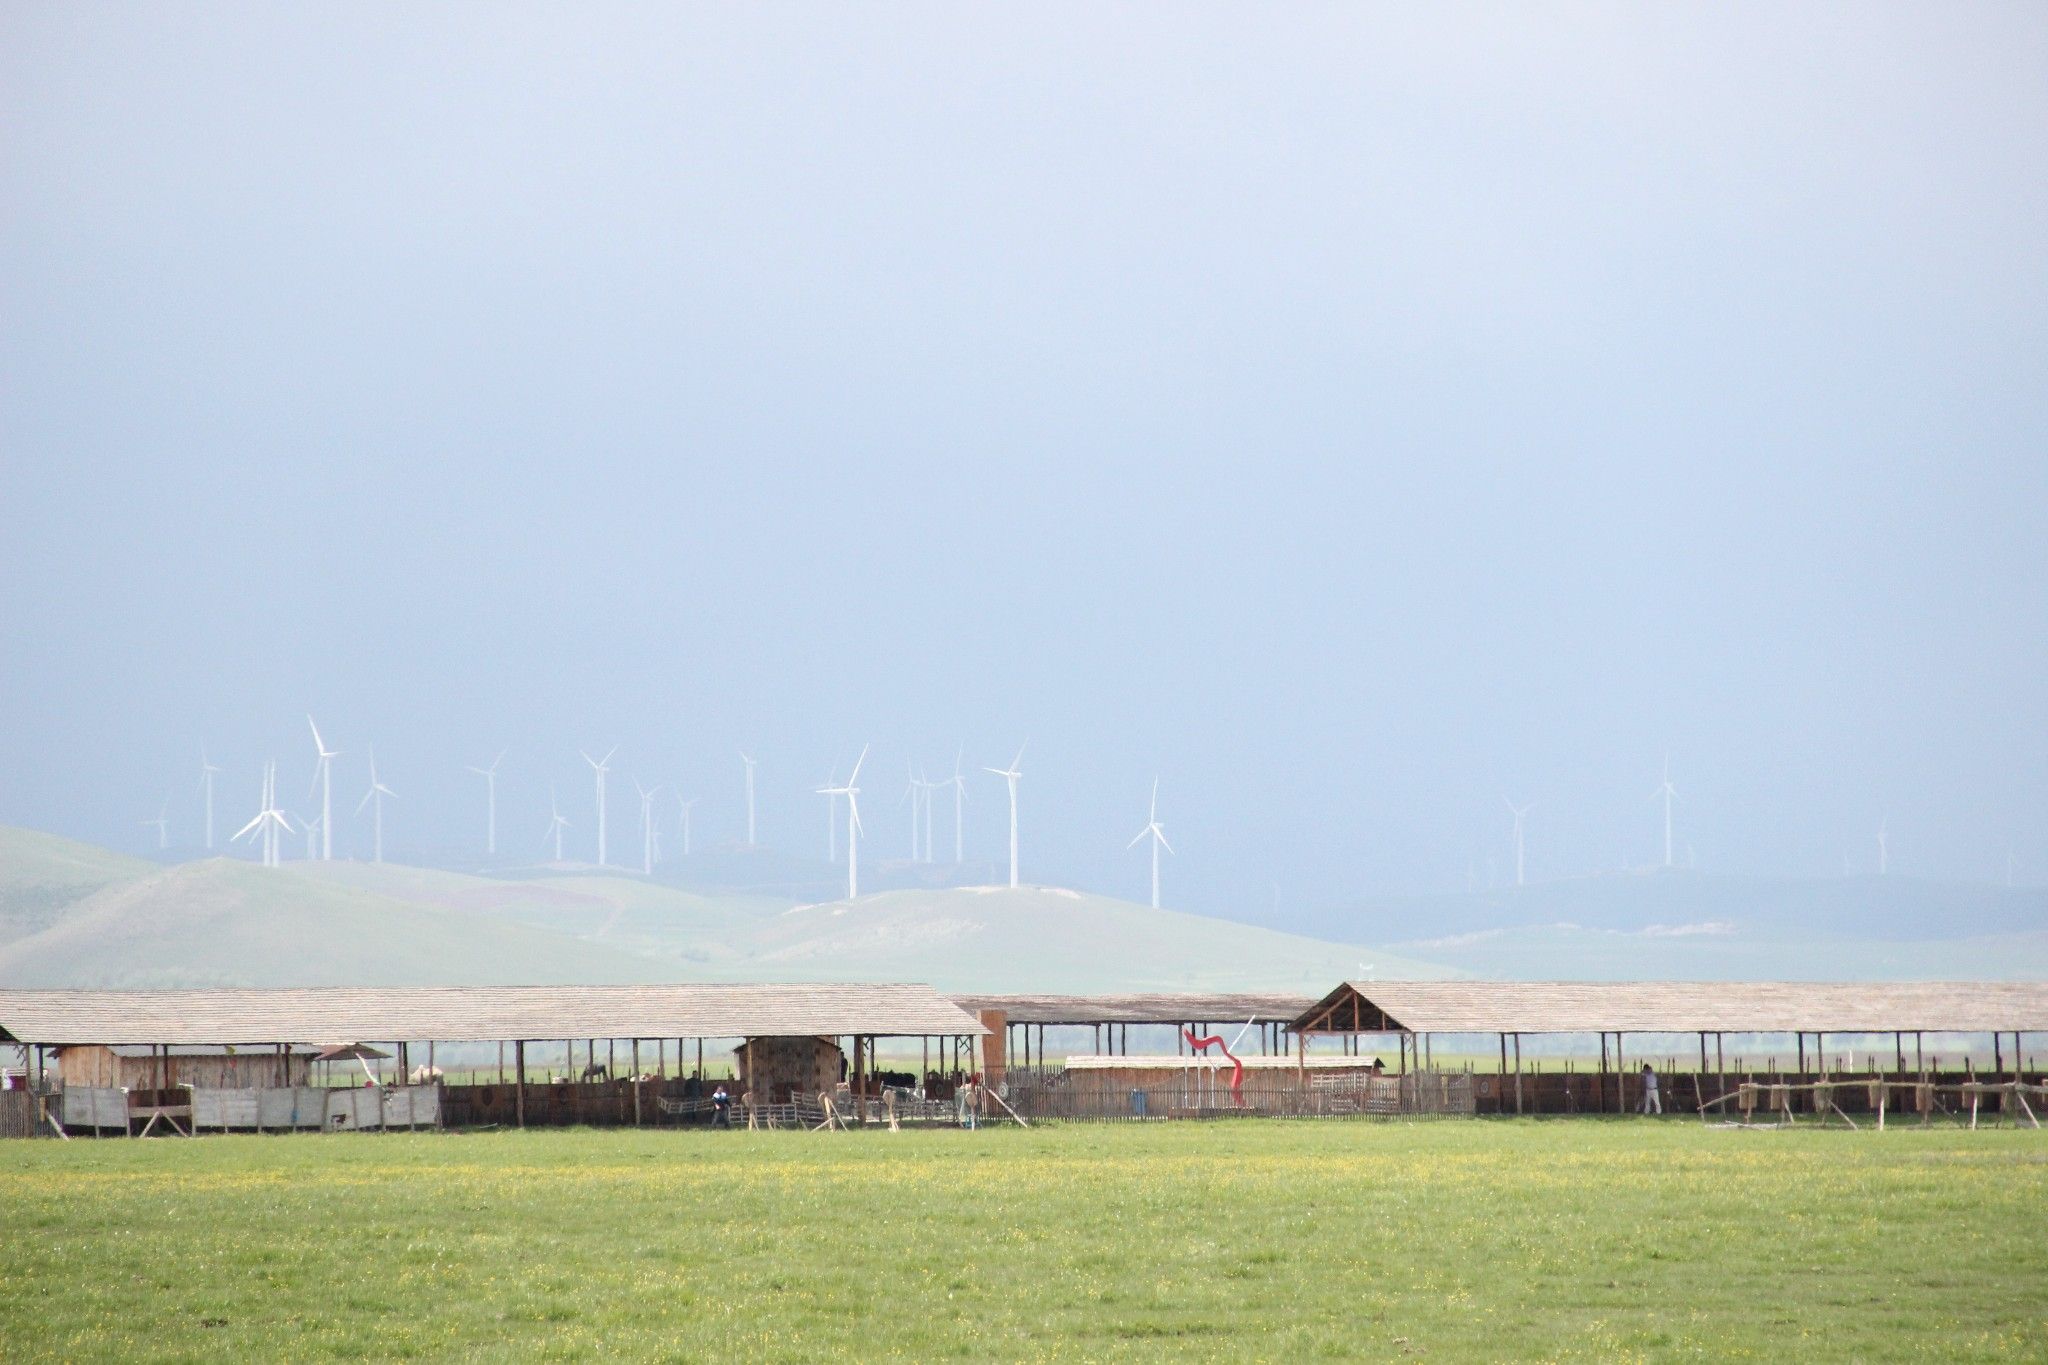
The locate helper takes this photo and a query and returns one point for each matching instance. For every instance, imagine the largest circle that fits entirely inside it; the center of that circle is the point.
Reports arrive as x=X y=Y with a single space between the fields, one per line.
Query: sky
x=1353 y=416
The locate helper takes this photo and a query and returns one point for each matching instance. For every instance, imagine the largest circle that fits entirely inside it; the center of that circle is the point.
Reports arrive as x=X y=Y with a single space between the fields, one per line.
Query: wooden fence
x=1204 y=1092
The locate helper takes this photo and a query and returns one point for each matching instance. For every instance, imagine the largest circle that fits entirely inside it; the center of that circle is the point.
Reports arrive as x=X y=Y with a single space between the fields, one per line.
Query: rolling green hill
x=229 y=923
x=41 y=875
x=1046 y=939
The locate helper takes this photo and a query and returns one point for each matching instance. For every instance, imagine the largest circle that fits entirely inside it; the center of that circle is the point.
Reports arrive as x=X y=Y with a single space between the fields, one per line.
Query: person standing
x=721 y=1107
x=1652 y=1103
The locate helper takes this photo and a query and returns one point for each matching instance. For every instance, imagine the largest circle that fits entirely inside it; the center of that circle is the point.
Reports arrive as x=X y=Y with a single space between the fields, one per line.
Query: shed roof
x=1158 y=1008
x=329 y=1014
x=1210 y=1061
x=1678 y=1007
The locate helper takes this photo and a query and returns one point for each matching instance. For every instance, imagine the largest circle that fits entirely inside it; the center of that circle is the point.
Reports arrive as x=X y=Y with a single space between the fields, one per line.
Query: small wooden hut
x=784 y=1070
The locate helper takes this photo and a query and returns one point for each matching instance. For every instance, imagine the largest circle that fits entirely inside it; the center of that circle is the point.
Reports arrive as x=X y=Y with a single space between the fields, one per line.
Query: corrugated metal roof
x=1139 y=1009
x=330 y=1014
x=1695 y=1006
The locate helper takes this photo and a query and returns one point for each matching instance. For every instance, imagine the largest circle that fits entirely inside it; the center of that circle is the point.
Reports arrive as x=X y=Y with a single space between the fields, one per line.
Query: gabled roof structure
x=343 y=1014
x=1678 y=1007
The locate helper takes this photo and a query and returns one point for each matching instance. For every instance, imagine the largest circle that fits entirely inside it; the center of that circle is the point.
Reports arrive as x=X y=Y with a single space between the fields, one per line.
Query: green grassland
x=1239 y=1241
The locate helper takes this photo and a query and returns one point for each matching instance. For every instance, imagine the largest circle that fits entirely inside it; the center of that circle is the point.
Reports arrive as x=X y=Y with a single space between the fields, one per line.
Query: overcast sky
x=1349 y=414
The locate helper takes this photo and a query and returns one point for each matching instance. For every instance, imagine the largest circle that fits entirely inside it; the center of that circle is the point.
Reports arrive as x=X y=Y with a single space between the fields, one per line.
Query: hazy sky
x=1347 y=413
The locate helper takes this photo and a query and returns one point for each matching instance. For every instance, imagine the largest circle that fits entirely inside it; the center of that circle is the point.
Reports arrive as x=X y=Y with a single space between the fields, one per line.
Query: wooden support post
x=1503 y=1073
x=1518 y=1073
x=519 y=1084
x=1620 y=1077
x=1800 y=1048
x=636 y=1082
x=1603 y=1068
x=860 y=1082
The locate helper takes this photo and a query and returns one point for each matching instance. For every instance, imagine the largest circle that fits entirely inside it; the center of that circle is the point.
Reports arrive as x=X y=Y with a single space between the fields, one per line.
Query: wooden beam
x=519 y=1081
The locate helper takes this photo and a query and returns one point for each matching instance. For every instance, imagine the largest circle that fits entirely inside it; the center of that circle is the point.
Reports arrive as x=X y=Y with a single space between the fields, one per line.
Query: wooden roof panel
x=1692 y=1006
x=333 y=1014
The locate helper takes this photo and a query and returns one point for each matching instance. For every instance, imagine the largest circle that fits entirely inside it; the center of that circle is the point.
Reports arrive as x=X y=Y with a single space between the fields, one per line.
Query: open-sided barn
x=653 y=1023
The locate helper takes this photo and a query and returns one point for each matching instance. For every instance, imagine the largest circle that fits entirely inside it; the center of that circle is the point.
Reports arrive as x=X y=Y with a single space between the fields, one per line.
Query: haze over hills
x=221 y=921
x=41 y=873
x=73 y=914
x=1678 y=924
x=987 y=938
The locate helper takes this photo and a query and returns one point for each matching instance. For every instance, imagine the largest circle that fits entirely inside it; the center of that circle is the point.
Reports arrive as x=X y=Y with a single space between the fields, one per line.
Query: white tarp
x=95 y=1106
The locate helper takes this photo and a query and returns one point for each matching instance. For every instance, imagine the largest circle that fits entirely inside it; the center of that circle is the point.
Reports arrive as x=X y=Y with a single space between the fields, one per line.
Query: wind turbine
x=647 y=795
x=748 y=759
x=323 y=774
x=913 y=795
x=1884 y=858
x=959 y=786
x=206 y=772
x=163 y=825
x=853 y=827
x=269 y=820
x=490 y=777
x=1158 y=836
x=686 y=821
x=1668 y=792
x=374 y=798
x=1520 y=813
x=600 y=766
x=1010 y=775
x=556 y=824
x=925 y=790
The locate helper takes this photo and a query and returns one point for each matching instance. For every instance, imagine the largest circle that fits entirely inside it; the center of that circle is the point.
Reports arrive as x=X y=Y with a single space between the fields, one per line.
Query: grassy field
x=1583 y=1239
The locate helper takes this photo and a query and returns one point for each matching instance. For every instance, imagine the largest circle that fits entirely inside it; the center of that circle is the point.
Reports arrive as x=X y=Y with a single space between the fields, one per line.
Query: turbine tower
x=1010 y=775
x=853 y=827
x=1520 y=813
x=1669 y=793
x=647 y=795
x=959 y=786
x=556 y=824
x=323 y=774
x=831 y=814
x=600 y=766
x=1157 y=834
x=206 y=772
x=914 y=795
x=163 y=826
x=374 y=798
x=490 y=777
x=686 y=821
x=748 y=759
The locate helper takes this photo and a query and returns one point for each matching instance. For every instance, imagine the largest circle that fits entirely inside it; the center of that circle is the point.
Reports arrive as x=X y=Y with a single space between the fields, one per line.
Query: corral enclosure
x=212 y=1071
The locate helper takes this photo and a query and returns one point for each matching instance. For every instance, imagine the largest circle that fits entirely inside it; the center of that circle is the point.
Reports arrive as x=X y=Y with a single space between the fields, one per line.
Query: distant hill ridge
x=230 y=922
